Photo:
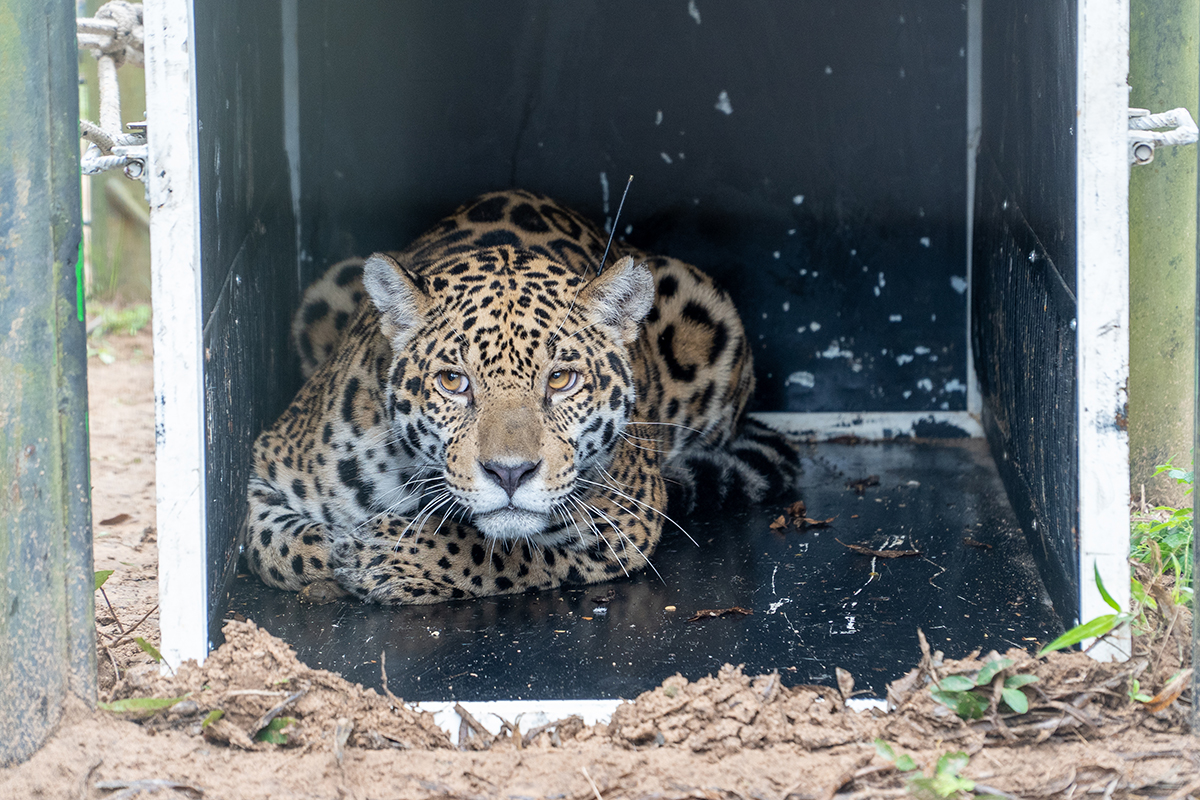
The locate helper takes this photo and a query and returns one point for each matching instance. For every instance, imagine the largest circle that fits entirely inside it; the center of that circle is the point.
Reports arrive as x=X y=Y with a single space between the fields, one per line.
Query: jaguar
x=493 y=409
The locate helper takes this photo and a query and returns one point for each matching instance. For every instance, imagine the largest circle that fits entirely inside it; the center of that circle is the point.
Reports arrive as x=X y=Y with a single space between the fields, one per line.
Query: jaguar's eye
x=561 y=380
x=452 y=382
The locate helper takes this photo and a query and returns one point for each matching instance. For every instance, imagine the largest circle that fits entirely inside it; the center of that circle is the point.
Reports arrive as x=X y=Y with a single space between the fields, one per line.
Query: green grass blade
x=1088 y=630
x=1104 y=592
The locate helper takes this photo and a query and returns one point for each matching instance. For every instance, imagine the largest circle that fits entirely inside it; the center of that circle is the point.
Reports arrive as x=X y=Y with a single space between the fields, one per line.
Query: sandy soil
x=726 y=736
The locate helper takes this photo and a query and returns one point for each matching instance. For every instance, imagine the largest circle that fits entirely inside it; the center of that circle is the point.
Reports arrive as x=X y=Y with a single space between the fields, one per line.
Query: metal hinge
x=1143 y=138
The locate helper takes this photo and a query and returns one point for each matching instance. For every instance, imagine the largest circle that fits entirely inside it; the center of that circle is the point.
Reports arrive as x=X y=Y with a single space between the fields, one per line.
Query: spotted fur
x=484 y=414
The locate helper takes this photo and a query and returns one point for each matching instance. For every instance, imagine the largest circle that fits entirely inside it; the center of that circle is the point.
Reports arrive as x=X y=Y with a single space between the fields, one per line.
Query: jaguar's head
x=511 y=379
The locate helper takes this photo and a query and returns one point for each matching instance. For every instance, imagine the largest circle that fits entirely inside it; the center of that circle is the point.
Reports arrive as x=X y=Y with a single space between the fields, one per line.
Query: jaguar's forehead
x=504 y=310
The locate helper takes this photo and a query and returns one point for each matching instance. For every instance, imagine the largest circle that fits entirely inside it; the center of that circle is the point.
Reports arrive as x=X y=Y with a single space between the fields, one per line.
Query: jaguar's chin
x=512 y=523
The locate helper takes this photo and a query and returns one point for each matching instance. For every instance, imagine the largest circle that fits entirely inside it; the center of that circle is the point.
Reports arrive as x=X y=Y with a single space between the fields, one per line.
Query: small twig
x=149 y=785
x=475 y=725
x=985 y=789
x=125 y=637
x=254 y=693
x=383 y=676
x=266 y=718
x=112 y=611
x=113 y=660
x=84 y=794
x=592 y=783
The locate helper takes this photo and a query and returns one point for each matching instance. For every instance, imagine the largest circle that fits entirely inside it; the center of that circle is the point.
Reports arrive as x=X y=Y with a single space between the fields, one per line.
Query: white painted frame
x=1102 y=290
x=174 y=189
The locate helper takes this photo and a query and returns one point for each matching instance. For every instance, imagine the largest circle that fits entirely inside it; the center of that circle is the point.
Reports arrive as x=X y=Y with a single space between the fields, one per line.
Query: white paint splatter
x=803 y=272
x=665 y=157
x=921 y=350
x=797 y=199
x=854 y=251
x=804 y=379
x=903 y=359
x=723 y=105
x=933 y=317
x=815 y=273
x=924 y=241
x=877 y=291
x=882 y=281
x=958 y=284
x=933 y=357
x=902 y=73
x=658 y=118
x=775 y=254
x=787 y=306
x=791 y=231
x=895 y=318
x=681 y=156
x=828 y=70
x=851 y=626
x=955 y=385
x=907 y=393
x=771 y=609
x=764 y=315
x=814 y=326
x=628 y=229
x=693 y=12
x=835 y=351
x=925 y=385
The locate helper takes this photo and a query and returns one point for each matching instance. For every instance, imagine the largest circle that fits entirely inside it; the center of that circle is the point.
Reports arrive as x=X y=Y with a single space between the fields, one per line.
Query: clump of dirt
x=733 y=710
x=255 y=678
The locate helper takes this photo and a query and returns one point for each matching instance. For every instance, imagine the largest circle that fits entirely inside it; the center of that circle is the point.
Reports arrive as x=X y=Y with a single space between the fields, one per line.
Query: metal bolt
x=1143 y=152
x=134 y=170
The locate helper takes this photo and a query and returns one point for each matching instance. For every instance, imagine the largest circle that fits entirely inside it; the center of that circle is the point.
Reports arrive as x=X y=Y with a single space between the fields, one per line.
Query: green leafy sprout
x=946 y=781
x=969 y=696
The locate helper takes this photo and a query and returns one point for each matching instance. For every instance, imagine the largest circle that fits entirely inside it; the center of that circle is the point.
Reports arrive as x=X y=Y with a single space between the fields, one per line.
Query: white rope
x=1143 y=138
x=115 y=37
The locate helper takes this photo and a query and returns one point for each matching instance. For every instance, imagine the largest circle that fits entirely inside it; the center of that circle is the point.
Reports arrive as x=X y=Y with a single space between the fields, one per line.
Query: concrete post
x=1163 y=58
x=47 y=627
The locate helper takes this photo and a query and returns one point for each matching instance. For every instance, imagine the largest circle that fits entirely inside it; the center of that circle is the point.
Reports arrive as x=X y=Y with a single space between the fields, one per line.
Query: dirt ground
x=726 y=736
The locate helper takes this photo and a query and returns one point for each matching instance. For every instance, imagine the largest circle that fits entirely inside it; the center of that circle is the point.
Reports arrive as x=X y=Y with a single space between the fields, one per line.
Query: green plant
x=1100 y=626
x=111 y=319
x=1170 y=530
x=276 y=731
x=946 y=782
x=969 y=695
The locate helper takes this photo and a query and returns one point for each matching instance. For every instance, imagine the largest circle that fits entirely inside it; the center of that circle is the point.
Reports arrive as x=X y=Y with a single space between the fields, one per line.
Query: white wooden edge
x=290 y=26
x=1102 y=288
x=974 y=55
x=871 y=425
x=178 y=345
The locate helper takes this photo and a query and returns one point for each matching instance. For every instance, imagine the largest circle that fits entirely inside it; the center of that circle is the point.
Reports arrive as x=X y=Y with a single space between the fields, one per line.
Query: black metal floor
x=816 y=604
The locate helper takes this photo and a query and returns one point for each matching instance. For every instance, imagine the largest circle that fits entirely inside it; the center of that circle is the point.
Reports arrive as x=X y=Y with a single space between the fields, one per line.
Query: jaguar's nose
x=509 y=477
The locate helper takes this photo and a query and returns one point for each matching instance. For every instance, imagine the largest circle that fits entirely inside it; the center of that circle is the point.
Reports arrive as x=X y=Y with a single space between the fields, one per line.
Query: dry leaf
x=860 y=485
x=779 y=524
x=117 y=520
x=713 y=613
x=866 y=551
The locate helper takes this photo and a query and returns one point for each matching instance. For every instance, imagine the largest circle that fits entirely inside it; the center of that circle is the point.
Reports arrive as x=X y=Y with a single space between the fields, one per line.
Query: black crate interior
x=810 y=156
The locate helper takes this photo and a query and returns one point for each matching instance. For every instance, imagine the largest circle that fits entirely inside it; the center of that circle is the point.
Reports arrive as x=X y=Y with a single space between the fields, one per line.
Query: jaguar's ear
x=399 y=296
x=620 y=297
